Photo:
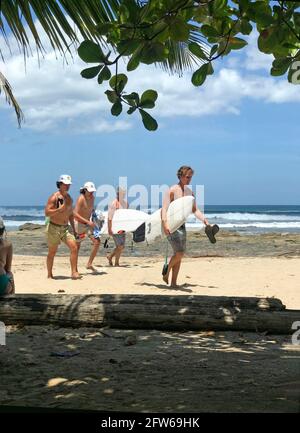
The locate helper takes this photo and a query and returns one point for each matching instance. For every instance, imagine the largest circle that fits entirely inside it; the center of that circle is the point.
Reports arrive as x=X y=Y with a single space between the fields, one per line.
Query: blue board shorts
x=178 y=240
x=4 y=280
x=119 y=239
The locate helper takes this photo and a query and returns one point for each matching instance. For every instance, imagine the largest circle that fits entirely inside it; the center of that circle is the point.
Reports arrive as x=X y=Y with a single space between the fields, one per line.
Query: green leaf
x=197 y=50
x=179 y=30
x=133 y=10
x=90 y=72
x=200 y=75
x=209 y=31
x=149 y=95
x=280 y=66
x=104 y=75
x=133 y=63
x=132 y=98
x=267 y=40
x=128 y=46
x=119 y=82
x=90 y=52
x=296 y=17
x=210 y=69
x=131 y=110
x=218 y=5
x=237 y=43
x=123 y=13
x=111 y=96
x=153 y=52
x=116 y=109
x=214 y=49
x=246 y=27
x=104 y=28
x=148 y=121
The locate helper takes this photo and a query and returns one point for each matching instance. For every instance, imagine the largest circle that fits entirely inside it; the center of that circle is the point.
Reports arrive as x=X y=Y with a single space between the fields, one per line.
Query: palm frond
x=180 y=57
x=19 y=18
x=9 y=96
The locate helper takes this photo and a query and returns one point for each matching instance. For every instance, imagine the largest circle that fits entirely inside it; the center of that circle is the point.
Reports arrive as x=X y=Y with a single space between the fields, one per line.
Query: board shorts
x=4 y=281
x=57 y=233
x=178 y=240
x=119 y=239
x=83 y=231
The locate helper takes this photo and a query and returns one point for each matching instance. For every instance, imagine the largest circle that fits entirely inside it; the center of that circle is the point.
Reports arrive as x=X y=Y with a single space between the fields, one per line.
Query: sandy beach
x=262 y=277
x=155 y=370
x=260 y=265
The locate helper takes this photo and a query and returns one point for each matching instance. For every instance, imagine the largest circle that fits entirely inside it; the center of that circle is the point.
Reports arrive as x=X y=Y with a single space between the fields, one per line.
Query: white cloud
x=255 y=59
x=55 y=97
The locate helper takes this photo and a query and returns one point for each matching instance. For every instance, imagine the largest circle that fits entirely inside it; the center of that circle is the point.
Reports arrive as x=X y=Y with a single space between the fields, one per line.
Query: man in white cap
x=7 y=286
x=83 y=224
x=59 y=210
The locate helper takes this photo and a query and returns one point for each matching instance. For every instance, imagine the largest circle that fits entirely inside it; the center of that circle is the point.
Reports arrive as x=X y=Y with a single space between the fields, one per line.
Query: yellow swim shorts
x=57 y=233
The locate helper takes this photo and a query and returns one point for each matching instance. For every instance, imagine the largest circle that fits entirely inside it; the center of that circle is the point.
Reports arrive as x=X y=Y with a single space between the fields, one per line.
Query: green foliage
x=149 y=32
x=90 y=52
x=177 y=35
x=91 y=72
x=148 y=120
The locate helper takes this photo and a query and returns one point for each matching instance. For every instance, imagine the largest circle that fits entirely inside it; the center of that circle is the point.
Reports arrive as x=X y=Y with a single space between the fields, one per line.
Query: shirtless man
x=82 y=216
x=119 y=238
x=60 y=212
x=178 y=238
x=7 y=286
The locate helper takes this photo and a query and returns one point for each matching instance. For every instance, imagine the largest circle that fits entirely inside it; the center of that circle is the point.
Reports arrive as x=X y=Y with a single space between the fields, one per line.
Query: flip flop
x=211 y=231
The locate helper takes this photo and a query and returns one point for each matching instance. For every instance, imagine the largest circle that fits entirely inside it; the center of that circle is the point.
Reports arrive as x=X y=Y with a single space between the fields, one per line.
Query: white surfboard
x=127 y=220
x=177 y=214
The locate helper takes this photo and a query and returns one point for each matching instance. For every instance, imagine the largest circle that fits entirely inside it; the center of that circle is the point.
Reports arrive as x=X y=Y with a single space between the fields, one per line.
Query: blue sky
x=239 y=132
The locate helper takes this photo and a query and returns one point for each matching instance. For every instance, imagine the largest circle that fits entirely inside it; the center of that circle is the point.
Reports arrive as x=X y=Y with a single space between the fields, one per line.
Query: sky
x=239 y=131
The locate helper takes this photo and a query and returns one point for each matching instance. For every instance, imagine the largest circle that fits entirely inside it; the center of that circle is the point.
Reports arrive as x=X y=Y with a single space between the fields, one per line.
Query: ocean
x=248 y=219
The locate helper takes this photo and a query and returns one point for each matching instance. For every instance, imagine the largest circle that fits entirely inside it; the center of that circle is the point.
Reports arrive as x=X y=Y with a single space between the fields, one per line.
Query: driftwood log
x=150 y=312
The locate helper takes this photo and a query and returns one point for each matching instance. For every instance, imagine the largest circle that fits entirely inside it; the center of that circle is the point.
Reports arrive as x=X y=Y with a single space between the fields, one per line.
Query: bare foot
x=166 y=279
x=117 y=264
x=91 y=267
x=109 y=260
x=51 y=276
x=174 y=286
x=76 y=276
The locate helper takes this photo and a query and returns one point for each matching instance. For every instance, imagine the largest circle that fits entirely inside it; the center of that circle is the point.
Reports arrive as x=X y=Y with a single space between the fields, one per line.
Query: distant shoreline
x=229 y=244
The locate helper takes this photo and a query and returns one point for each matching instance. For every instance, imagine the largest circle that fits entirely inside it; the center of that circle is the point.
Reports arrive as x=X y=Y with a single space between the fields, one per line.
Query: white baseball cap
x=66 y=179
x=1 y=223
x=89 y=186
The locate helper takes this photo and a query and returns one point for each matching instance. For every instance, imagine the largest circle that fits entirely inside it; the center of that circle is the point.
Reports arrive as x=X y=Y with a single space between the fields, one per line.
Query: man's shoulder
x=53 y=196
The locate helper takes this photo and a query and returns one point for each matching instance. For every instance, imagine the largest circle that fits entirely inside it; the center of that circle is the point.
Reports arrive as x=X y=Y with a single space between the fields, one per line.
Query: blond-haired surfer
x=177 y=239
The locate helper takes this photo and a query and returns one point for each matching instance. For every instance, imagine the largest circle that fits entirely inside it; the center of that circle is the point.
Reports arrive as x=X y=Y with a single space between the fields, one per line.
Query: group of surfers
x=71 y=225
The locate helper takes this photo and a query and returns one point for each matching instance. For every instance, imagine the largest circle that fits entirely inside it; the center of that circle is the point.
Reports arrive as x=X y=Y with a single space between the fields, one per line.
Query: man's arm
x=198 y=214
x=71 y=220
x=51 y=209
x=110 y=215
